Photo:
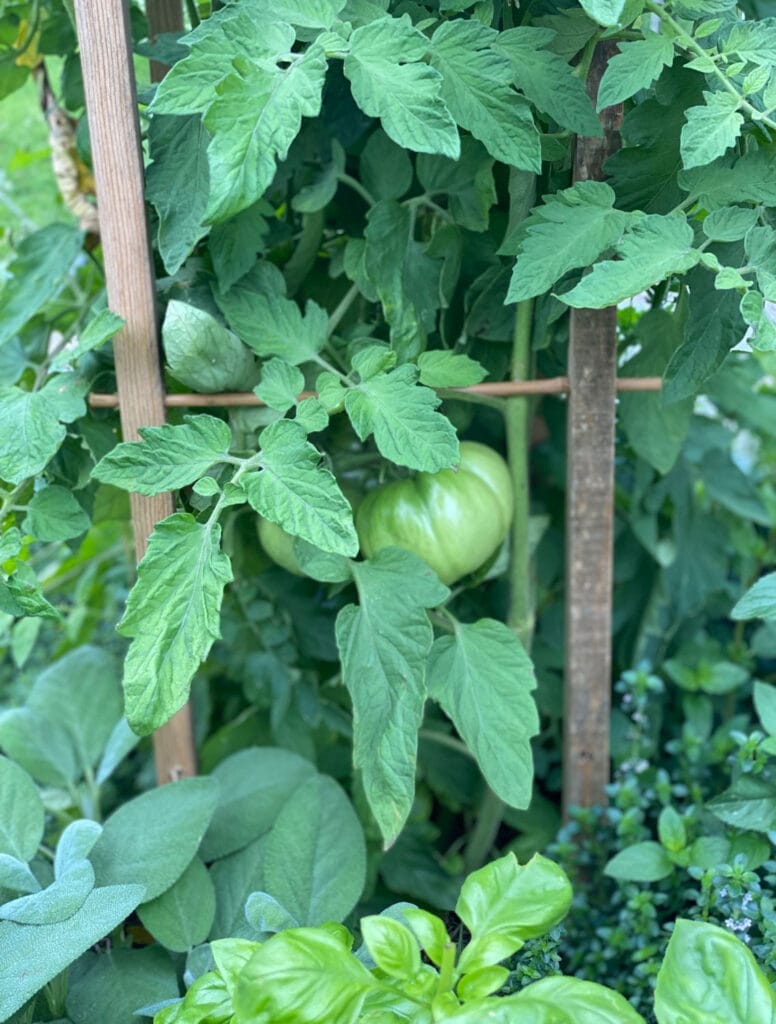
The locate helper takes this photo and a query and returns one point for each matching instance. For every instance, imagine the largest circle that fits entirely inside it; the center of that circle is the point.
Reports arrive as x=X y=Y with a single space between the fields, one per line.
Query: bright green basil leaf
x=259 y=312
x=21 y=812
x=642 y=862
x=429 y=930
x=54 y=514
x=511 y=902
x=230 y=956
x=32 y=956
x=547 y=80
x=172 y=616
x=567 y=1001
x=383 y=643
x=302 y=976
x=709 y=976
x=182 y=916
x=570 y=230
x=315 y=859
x=392 y=946
x=477 y=88
x=135 y=842
x=390 y=81
x=759 y=602
x=635 y=67
x=280 y=384
x=37 y=273
x=483 y=680
x=482 y=983
x=292 y=490
x=256 y=784
x=710 y=130
x=402 y=416
x=178 y=147
x=654 y=248
x=168 y=457
x=255 y=116
x=202 y=354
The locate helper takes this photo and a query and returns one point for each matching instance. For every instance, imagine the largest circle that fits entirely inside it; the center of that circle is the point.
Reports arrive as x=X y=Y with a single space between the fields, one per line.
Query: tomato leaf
x=443 y=369
x=477 y=87
x=571 y=229
x=483 y=679
x=172 y=616
x=168 y=457
x=280 y=384
x=654 y=248
x=32 y=424
x=547 y=80
x=383 y=644
x=202 y=353
x=390 y=81
x=292 y=490
x=635 y=67
x=710 y=130
x=254 y=118
x=402 y=416
x=257 y=309
x=37 y=273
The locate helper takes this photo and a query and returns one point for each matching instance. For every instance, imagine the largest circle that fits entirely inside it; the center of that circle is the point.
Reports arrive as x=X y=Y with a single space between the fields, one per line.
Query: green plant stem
x=341 y=309
x=453 y=395
x=447 y=969
x=521 y=610
x=191 y=7
x=356 y=185
x=687 y=41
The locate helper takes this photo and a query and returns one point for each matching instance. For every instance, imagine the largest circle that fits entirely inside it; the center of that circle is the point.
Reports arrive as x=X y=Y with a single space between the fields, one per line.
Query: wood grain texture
x=109 y=83
x=592 y=375
x=163 y=16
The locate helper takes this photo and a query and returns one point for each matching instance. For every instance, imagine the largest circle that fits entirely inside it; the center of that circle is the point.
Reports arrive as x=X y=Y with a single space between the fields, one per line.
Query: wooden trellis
x=106 y=55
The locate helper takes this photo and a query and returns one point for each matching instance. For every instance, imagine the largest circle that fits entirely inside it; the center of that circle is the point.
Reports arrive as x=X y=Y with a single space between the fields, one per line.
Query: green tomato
x=279 y=545
x=454 y=520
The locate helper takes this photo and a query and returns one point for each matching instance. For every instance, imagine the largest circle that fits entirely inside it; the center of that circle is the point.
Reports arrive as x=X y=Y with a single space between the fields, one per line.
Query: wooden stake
x=590 y=510
x=109 y=83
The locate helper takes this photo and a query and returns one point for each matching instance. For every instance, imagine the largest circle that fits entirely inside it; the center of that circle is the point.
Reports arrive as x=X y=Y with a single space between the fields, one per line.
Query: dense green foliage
x=372 y=199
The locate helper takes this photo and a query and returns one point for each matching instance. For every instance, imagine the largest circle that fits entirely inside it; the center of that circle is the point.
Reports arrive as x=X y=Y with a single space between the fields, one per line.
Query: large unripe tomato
x=279 y=545
x=454 y=520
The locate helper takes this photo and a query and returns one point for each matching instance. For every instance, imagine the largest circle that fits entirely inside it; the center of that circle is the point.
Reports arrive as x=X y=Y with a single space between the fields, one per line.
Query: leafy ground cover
x=373 y=201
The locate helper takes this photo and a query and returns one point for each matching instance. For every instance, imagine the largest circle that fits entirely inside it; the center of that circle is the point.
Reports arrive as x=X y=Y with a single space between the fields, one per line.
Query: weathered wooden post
x=111 y=101
x=590 y=510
